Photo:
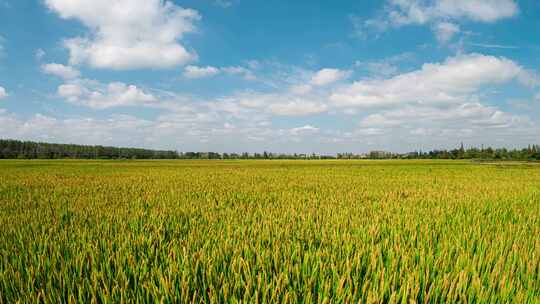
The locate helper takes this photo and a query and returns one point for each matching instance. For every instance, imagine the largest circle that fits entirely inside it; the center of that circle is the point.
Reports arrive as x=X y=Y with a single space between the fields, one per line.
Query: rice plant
x=269 y=232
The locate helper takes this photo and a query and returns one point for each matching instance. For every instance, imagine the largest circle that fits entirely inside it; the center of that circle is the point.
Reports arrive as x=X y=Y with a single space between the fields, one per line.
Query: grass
x=269 y=232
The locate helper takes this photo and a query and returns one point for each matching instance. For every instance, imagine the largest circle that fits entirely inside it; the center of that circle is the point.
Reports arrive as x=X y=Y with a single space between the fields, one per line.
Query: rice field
x=269 y=232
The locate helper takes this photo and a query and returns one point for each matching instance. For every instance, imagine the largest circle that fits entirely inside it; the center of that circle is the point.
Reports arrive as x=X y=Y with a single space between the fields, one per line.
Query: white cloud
x=468 y=114
x=478 y=10
x=458 y=80
x=236 y=70
x=402 y=12
x=256 y=105
x=194 y=72
x=98 y=96
x=444 y=31
x=328 y=76
x=3 y=93
x=301 y=89
x=441 y=14
x=246 y=120
x=369 y=131
x=128 y=34
x=429 y=127
x=385 y=67
x=297 y=107
x=305 y=130
x=60 y=70
x=118 y=130
x=438 y=101
x=453 y=81
x=179 y=130
x=537 y=97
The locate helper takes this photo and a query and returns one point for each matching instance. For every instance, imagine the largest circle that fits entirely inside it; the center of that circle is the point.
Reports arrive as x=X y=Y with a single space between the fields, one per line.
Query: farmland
x=269 y=231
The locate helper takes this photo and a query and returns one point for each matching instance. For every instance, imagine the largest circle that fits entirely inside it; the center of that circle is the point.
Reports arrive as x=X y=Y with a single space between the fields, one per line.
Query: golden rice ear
x=281 y=231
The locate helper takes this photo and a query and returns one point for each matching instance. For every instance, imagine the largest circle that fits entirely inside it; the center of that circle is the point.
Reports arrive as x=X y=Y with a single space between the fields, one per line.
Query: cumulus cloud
x=297 y=107
x=305 y=130
x=328 y=76
x=194 y=72
x=123 y=130
x=128 y=34
x=403 y=12
x=190 y=129
x=301 y=89
x=477 y=10
x=3 y=93
x=468 y=114
x=438 y=100
x=281 y=104
x=60 y=70
x=430 y=127
x=179 y=129
x=444 y=31
x=458 y=80
x=438 y=13
x=436 y=83
x=99 y=96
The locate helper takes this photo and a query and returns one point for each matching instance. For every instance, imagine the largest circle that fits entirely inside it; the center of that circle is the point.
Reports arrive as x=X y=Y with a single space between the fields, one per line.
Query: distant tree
x=32 y=150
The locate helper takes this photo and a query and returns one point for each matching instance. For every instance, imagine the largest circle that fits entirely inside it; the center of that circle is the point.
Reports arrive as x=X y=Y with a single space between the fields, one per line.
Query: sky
x=283 y=76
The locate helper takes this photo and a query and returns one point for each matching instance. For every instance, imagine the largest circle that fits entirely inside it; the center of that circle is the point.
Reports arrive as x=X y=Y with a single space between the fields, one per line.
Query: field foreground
x=269 y=231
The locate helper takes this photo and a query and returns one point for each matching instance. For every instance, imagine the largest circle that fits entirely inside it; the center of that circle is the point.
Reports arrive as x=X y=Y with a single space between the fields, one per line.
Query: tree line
x=16 y=149
x=532 y=152
x=11 y=149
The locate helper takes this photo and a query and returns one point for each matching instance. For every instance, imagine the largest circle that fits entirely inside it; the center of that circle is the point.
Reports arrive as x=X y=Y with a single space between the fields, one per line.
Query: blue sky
x=281 y=76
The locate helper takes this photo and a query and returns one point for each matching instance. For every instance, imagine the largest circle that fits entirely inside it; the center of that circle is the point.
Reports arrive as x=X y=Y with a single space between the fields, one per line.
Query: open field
x=269 y=231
